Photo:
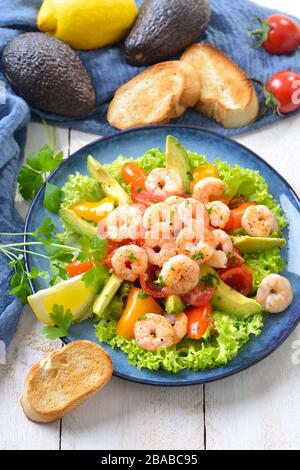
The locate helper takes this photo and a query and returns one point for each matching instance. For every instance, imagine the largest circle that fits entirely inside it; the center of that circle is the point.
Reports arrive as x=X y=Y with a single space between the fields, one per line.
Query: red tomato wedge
x=235 y=220
x=199 y=297
x=239 y=279
x=76 y=267
x=149 y=285
x=199 y=319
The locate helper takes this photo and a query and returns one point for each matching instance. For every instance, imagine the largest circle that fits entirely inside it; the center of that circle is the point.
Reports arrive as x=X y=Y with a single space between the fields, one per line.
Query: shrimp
x=219 y=258
x=180 y=274
x=174 y=201
x=125 y=222
x=219 y=213
x=179 y=324
x=153 y=332
x=161 y=221
x=162 y=183
x=129 y=262
x=193 y=214
x=160 y=252
x=209 y=189
x=259 y=221
x=275 y=293
x=188 y=244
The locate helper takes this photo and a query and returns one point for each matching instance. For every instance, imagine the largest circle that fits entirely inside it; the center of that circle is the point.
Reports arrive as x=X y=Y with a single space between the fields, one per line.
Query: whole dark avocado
x=164 y=28
x=48 y=74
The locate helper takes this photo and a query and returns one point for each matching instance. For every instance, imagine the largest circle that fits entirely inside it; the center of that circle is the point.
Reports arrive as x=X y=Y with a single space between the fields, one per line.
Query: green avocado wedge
x=107 y=294
x=76 y=223
x=229 y=300
x=174 y=304
x=109 y=185
x=246 y=244
x=177 y=159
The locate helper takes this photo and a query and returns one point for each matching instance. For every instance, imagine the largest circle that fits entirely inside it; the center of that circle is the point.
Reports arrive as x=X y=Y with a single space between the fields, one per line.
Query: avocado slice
x=107 y=294
x=109 y=185
x=229 y=300
x=164 y=28
x=246 y=244
x=79 y=225
x=177 y=159
x=174 y=304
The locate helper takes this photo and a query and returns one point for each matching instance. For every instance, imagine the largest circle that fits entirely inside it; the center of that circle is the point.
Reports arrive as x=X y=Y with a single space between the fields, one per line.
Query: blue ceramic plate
x=134 y=143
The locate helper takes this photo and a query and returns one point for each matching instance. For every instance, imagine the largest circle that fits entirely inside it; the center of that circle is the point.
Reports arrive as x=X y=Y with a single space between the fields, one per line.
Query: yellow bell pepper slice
x=136 y=307
x=94 y=211
x=203 y=171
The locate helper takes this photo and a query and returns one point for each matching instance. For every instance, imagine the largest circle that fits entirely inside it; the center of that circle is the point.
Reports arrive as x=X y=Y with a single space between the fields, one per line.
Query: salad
x=184 y=257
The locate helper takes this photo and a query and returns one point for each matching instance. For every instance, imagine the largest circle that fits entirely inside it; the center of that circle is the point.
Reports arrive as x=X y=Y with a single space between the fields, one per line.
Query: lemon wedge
x=72 y=294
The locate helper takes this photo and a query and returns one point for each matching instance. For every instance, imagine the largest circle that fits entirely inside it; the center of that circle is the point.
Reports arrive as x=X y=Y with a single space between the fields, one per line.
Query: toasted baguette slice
x=64 y=380
x=226 y=94
x=155 y=96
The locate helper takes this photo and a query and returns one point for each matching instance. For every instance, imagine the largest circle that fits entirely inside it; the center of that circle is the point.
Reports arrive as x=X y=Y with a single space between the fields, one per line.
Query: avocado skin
x=48 y=74
x=164 y=28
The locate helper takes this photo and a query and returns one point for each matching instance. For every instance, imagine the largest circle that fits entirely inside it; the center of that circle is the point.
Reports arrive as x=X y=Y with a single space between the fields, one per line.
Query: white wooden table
x=256 y=409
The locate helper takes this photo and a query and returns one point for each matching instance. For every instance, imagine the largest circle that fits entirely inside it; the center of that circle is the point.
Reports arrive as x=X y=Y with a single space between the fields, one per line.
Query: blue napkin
x=108 y=70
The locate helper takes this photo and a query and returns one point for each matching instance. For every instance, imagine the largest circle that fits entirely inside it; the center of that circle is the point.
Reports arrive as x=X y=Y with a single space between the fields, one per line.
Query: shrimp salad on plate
x=193 y=255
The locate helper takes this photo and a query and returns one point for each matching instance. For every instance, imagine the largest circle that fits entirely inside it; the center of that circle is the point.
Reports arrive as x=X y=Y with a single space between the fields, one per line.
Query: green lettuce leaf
x=264 y=263
x=80 y=188
x=251 y=184
x=231 y=335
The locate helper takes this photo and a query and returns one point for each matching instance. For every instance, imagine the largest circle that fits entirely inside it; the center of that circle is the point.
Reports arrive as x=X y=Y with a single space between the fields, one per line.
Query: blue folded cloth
x=108 y=70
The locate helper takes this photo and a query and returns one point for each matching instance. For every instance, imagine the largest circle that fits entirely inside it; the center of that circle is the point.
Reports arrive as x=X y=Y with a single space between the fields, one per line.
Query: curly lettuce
x=264 y=263
x=80 y=188
x=231 y=335
x=251 y=184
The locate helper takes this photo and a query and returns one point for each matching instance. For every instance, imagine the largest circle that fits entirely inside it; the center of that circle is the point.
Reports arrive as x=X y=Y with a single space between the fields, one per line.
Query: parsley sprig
x=62 y=321
x=94 y=249
x=36 y=170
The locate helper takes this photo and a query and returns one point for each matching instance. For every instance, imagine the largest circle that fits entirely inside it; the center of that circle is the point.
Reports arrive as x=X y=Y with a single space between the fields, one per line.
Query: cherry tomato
x=149 y=284
x=239 y=279
x=199 y=319
x=76 y=267
x=235 y=219
x=285 y=88
x=132 y=172
x=235 y=260
x=278 y=34
x=199 y=297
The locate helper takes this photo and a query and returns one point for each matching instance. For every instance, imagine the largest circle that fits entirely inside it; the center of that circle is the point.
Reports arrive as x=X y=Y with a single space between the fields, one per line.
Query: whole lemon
x=87 y=24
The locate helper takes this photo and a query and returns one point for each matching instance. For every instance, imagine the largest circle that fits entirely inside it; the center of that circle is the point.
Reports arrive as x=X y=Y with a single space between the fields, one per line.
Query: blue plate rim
x=152 y=382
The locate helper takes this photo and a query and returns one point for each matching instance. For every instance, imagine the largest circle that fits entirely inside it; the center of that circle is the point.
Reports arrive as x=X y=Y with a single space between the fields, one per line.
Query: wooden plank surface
x=27 y=347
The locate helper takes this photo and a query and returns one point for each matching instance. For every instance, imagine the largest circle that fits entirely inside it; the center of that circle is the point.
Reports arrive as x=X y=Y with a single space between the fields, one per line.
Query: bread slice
x=155 y=96
x=226 y=94
x=64 y=380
